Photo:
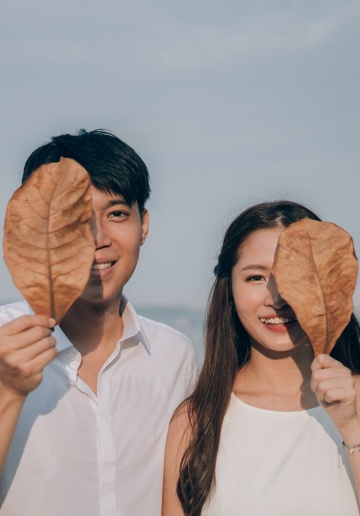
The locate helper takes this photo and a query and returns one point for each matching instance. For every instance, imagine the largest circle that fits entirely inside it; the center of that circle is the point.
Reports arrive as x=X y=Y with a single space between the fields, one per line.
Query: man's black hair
x=112 y=165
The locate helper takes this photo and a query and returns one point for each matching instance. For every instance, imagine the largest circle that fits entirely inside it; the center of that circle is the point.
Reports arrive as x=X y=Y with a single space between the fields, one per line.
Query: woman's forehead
x=260 y=243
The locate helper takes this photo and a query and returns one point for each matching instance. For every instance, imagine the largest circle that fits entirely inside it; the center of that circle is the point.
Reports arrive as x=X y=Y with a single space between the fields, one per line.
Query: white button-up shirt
x=77 y=453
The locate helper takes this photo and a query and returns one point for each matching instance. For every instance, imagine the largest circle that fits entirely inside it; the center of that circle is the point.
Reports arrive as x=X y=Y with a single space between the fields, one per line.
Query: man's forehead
x=105 y=199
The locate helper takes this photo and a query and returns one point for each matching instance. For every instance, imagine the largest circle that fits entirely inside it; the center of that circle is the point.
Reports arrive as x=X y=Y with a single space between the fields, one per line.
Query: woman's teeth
x=277 y=320
x=101 y=266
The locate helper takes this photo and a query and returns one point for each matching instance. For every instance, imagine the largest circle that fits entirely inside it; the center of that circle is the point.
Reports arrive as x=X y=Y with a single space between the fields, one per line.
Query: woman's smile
x=277 y=323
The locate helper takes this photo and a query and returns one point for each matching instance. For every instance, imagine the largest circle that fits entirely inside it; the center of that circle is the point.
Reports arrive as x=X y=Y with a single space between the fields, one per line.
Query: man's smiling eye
x=117 y=214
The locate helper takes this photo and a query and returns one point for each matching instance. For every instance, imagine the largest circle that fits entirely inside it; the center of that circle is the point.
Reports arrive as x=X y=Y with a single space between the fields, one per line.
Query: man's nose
x=101 y=236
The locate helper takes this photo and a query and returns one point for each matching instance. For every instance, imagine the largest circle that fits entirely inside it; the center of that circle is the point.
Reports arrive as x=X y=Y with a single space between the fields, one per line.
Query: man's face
x=119 y=231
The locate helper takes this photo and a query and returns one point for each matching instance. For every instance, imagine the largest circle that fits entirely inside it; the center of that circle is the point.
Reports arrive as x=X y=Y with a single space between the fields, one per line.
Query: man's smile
x=101 y=266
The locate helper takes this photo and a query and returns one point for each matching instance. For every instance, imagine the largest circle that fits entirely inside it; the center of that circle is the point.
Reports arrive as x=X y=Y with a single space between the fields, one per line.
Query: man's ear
x=144 y=225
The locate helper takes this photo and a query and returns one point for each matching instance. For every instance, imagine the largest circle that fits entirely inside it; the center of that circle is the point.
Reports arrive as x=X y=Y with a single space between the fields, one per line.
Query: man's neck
x=92 y=327
x=94 y=331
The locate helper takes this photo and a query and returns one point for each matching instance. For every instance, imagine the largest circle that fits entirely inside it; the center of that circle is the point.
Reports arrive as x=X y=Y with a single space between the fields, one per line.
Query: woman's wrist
x=351 y=448
x=10 y=397
x=351 y=433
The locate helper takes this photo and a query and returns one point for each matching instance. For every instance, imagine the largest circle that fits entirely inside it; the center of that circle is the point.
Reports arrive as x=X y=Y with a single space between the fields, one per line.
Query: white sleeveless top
x=280 y=464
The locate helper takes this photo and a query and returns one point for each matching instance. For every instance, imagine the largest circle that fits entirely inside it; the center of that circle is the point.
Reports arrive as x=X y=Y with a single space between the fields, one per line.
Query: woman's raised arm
x=338 y=392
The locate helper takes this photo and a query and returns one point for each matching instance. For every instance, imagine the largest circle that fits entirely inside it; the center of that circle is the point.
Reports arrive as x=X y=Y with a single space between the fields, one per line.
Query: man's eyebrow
x=116 y=202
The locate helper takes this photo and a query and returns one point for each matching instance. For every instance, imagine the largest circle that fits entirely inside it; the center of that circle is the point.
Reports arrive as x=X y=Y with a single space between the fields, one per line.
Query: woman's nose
x=274 y=298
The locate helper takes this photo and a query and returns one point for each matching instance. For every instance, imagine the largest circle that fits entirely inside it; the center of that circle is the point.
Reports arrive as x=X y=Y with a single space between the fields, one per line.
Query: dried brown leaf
x=315 y=269
x=48 y=243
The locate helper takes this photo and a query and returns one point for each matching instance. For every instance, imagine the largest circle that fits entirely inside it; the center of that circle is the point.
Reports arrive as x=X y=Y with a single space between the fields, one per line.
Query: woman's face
x=269 y=321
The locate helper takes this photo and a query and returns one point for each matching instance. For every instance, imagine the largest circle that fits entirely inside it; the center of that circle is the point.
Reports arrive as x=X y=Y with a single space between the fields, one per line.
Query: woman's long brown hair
x=227 y=349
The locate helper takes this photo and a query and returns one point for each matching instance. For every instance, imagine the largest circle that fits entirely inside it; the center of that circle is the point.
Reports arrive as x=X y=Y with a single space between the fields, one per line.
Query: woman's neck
x=277 y=381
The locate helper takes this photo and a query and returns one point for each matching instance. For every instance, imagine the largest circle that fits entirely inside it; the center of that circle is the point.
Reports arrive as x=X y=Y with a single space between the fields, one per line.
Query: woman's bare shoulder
x=180 y=425
x=178 y=439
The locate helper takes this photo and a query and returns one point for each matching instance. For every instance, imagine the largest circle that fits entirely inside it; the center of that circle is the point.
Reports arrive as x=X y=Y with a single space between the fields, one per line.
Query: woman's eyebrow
x=255 y=266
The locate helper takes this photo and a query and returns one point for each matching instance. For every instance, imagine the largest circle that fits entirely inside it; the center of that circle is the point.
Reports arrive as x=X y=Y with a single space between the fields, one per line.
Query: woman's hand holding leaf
x=334 y=386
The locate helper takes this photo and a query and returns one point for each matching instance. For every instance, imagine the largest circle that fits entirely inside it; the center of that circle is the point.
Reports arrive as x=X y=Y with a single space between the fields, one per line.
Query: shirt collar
x=133 y=328
x=132 y=324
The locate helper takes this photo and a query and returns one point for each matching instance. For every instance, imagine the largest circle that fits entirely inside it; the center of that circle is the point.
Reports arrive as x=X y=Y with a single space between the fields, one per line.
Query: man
x=83 y=425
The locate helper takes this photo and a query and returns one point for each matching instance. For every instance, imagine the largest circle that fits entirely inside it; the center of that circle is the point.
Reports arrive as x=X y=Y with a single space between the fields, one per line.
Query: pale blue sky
x=228 y=102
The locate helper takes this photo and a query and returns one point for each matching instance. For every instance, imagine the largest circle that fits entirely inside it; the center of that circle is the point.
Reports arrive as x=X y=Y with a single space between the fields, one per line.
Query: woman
x=262 y=432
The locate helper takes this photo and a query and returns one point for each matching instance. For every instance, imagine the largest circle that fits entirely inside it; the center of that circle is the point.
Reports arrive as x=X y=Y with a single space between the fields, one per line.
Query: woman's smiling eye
x=255 y=278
